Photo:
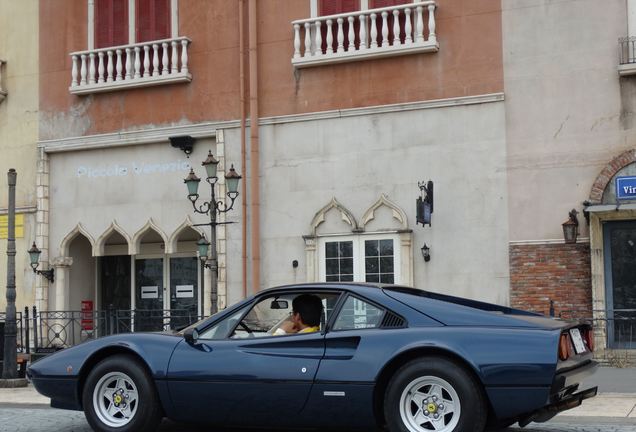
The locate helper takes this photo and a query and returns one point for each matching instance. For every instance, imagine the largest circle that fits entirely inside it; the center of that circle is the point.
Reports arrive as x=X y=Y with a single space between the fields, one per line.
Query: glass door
x=115 y=276
x=184 y=291
x=149 y=287
x=620 y=281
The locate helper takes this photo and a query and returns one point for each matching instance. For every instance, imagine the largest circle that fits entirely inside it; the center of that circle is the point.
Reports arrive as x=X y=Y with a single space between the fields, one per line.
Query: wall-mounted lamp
x=184 y=143
x=426 y=252
x=34 y=254
x=571 y=227
x=424 y=204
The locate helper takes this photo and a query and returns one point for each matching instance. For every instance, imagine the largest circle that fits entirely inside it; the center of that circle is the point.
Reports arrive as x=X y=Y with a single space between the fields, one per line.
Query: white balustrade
x=128 y=66
x=389 y=31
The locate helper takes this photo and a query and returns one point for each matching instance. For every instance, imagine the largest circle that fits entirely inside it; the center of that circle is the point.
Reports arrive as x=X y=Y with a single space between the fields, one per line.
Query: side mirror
x=279 y=304
x=191 y=336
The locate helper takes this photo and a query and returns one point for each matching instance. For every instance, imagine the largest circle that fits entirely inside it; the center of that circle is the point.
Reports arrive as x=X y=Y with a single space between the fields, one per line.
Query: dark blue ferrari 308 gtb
x=355 y=356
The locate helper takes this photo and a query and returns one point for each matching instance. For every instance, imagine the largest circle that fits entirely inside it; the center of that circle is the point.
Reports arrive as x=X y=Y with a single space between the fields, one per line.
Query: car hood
x=457 y=311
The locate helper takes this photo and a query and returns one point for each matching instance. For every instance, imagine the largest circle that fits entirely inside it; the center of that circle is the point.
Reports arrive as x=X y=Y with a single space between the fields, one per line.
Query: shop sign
x=626 y=187
x=132 y=168
x=4 y=226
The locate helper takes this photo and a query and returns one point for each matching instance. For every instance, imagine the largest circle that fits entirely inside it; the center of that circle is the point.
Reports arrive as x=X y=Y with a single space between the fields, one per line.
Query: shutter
x=332 y=7
x=120 y=22
x=111 y=23
x=152 y=20
x=385 y=3
x=374 y=4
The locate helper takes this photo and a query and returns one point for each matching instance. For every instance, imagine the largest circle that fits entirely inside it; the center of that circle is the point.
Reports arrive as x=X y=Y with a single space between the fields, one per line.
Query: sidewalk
x=616 y=398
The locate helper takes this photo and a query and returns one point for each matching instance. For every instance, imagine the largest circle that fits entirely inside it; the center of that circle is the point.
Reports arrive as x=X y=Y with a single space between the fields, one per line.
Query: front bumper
x=546 y=413
x=62 y=391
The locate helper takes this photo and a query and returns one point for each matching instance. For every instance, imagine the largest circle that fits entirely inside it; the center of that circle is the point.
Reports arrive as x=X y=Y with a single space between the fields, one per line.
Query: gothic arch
x=68 y=239
x=345 y=214
x=171 y=245
x=136 y=240
x=398 y=213
x=606 y=175
x=113 y=228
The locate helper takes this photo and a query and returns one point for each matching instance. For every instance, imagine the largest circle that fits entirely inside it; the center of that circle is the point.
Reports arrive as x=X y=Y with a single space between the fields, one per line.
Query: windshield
x=209 y=319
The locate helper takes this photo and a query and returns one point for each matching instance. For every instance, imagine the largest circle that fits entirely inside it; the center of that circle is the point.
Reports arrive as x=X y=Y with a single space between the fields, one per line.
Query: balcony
x=627 y=56
x=3 y=92
x=130 y=66
x=365 y=34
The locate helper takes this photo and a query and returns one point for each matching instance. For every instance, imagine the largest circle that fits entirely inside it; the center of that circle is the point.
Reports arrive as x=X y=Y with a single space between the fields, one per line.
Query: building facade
x=19 y=47
x=333 y=111
x=329 y=116
x=570 y=136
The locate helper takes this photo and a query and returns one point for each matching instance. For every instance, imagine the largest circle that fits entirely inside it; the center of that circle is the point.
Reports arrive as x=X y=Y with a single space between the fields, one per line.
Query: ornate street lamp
x=207 y=250
x=571 y=227
x=34 y=254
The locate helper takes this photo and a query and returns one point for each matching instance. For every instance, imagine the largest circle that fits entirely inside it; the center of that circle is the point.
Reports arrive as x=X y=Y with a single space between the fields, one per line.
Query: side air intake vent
x=391 y=320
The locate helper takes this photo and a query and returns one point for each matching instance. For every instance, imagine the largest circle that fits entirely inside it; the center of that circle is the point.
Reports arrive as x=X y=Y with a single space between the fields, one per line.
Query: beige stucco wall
x=567 y=111
x=19 y=132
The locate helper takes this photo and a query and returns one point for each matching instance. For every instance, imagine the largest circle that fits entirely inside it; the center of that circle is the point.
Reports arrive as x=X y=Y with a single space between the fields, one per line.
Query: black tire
x=427 y=384
x=144 y=410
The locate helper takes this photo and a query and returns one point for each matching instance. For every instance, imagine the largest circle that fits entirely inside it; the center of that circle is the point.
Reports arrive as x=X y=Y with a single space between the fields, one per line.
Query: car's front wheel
x=434 y=394
x=119 y=395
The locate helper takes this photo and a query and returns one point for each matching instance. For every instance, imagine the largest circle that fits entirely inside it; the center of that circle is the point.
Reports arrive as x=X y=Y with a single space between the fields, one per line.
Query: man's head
x=308 y=309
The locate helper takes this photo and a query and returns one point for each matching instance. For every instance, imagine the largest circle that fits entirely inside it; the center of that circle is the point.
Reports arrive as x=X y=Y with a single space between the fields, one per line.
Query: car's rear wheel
x=119 y=395
x=434 y=394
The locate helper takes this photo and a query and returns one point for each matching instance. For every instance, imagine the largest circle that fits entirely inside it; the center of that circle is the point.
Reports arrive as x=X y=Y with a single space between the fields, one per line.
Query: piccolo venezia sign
x=132 y=168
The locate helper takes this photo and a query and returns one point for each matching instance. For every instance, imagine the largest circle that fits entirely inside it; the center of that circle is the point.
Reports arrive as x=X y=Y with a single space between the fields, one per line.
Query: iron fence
x=627 y=50
x=58 y=329
x=22 y=338
x=615 y=328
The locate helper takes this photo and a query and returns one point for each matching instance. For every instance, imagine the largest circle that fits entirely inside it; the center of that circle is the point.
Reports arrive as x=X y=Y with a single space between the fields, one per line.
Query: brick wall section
x=558 y=272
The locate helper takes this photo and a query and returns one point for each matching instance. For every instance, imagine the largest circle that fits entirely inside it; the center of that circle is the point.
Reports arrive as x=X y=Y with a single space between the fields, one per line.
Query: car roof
x=328 y=285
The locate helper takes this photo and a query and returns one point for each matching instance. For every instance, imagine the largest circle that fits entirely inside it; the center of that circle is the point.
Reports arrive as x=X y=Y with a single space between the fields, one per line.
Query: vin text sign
x=626 y=187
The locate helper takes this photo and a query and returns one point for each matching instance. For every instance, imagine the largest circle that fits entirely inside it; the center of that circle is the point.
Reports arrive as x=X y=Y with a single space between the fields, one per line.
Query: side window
x=277 y=315
x=221 y=329
x=357 y=314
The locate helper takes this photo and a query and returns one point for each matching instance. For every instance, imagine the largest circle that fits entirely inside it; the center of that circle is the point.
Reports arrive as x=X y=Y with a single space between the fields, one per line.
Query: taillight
x=588 y=335
x=564 y=347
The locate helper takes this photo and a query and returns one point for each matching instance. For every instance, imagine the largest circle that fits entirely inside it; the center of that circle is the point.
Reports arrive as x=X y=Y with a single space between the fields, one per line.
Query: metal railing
x=22 y=338
x=59 y=329
x=615 y=329
x=627 y=50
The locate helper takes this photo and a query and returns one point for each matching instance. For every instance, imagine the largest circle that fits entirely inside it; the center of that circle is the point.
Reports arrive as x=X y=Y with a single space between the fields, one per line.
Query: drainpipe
x=243 y=154
x=254 y=151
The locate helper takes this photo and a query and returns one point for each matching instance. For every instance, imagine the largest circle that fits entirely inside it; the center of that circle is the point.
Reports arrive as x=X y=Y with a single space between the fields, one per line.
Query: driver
x=305 y=316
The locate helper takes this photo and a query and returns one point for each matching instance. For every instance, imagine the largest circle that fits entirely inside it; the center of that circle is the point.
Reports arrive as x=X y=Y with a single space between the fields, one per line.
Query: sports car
x=378 y=356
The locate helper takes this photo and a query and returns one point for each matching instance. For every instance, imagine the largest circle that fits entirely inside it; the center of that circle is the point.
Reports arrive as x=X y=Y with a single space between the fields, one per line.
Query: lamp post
x=212 y=208
x=9 y=366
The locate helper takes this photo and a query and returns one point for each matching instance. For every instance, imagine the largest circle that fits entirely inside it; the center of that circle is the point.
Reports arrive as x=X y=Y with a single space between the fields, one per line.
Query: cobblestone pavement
x=38 y=418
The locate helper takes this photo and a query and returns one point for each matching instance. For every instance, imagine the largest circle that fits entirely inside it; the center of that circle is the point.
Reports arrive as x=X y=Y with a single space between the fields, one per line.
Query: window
x=357 y=314
x=111 y=23
x=221 y=329
x=364 y=258
x=151 y=20
x=271 y=313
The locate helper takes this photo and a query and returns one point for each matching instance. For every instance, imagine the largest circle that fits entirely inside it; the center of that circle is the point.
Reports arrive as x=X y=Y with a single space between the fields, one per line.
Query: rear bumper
x=569 y=402
x=567 y=381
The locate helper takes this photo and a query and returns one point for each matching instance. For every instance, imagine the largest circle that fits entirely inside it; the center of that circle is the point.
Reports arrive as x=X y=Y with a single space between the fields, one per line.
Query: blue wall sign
x=626 y=187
